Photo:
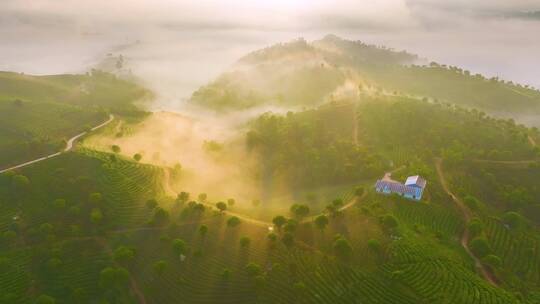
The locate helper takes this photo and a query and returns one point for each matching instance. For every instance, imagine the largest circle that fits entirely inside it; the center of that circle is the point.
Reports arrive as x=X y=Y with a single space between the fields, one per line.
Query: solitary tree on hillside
x=492 y=261
x=279 y=221
x=160 y=267
x=179 y=247
x=221 y=206
x=245 y=241
x=137 y=157
x=272 y=237
x=199 y=208
x=253 y=269
x=182 y=197
x=480 y=247
x=512 y=219
x=321 y=222
x=231 y=202
x=471 y=202
x=225 y=274
x=342 y=248
x=20 y=183
x=233 y=221
x=59 y=204
x=299 y=211
x=45 y=299
x=288 y=239
x=203 y=230
x=291 y=225
x=96 y=216
x=475 y=227
x=114 y=278
x=151 y=204
x=123 y=255
x=374 y=245
x=115 y=149
x=95 y=198
x=161 y=216
x=389 y=221
x=338 y=203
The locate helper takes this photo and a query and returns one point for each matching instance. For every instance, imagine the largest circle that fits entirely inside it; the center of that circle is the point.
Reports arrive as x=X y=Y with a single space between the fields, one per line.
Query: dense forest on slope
x=437 y=129
x=318 y=147
x=312 y=148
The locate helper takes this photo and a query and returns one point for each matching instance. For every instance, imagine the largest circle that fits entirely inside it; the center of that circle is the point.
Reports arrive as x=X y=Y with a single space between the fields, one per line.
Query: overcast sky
x=186 y=43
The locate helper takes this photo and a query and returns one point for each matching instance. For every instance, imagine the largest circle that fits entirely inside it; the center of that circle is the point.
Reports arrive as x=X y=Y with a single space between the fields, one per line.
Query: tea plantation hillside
x=302 y=73
x=54 y=214
x=504 y=200
x=95 y=89
x=33 y=129
x=39 y=113
x=95 y=225
x=90 y=226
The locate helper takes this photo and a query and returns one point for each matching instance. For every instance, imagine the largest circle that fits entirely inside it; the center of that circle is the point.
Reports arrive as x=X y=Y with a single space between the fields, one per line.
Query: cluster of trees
x=299 y=148
x=448 y=82
x=428 y=130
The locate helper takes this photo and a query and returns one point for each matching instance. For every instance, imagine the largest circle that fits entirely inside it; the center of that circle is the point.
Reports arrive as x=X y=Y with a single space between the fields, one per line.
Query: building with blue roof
x=412 y=189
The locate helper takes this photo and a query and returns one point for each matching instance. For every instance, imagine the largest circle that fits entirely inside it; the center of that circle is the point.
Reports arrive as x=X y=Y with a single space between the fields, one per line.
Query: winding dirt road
x=69 y=146
x=467 y=215
x=169 y=191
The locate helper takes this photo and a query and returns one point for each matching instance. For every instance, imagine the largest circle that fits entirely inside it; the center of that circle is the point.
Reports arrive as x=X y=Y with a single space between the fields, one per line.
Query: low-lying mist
x=209 y=147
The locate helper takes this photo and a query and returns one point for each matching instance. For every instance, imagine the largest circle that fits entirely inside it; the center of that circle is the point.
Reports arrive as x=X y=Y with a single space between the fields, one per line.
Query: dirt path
x=69 y=145
x=169 y=191
x=467 y=215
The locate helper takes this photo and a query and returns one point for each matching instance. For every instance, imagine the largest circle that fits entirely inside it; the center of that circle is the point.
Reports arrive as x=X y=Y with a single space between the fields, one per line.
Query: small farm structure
x=412 y=189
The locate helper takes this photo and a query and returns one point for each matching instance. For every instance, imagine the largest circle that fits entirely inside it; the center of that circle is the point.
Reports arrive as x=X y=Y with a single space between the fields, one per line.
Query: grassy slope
x=38 y=112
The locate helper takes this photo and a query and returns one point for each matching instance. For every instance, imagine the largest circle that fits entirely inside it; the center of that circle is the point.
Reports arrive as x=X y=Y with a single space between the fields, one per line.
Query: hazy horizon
x=184 y=45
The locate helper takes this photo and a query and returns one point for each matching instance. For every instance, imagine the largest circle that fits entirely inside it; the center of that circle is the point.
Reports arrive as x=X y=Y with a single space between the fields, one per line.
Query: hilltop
x=302 y=73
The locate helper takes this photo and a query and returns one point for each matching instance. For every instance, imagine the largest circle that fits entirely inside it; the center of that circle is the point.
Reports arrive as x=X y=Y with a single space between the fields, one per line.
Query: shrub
x=137 y=157
x=374 y=245
x=342 y=248
x=492 y=261
x=244 y=241
x=480 y=247
x=253 y=269
x=389 y=221
x=233 y=221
